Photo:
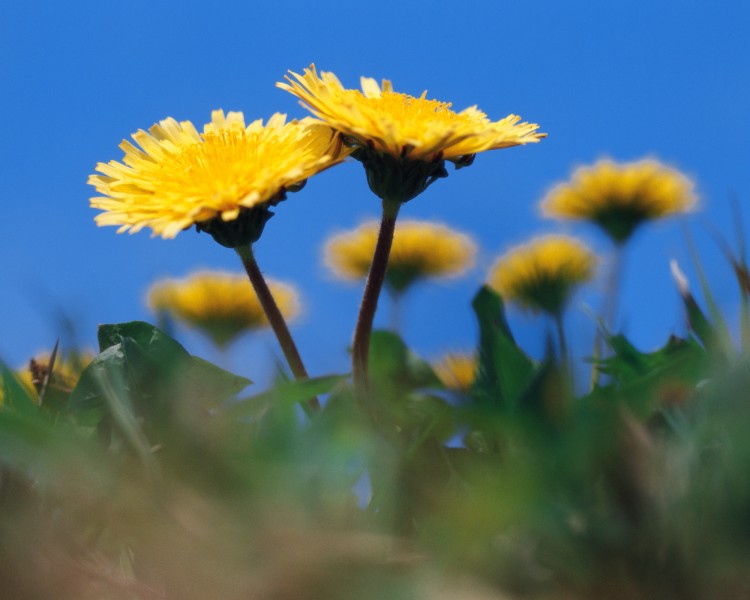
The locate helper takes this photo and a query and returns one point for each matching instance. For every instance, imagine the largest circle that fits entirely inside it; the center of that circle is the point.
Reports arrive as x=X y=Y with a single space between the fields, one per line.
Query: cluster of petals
x=421 y=249
x=401 y=125
x=540 y=274
x=221 y=304
x=174 y=176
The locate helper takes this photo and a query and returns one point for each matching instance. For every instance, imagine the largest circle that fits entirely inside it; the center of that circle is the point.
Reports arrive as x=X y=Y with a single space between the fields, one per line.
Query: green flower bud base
x=400 y=179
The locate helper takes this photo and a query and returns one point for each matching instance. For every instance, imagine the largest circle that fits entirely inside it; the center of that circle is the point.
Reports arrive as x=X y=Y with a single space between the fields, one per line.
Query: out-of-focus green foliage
x=160 y=476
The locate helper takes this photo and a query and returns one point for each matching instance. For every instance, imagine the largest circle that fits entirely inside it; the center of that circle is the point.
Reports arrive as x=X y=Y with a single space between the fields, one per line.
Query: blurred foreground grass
x=158 y=476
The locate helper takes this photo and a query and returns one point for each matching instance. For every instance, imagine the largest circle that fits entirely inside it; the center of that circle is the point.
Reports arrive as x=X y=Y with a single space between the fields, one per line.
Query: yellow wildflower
x=421 y=249
x=619 y=197
x=65 y=373
x=457 y=370
x=541 y=274
x=180 y=177
x=222 y=305
x=396 y=132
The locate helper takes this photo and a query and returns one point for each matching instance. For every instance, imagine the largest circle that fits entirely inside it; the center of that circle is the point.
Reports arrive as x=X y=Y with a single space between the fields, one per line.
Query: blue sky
x=618 y=79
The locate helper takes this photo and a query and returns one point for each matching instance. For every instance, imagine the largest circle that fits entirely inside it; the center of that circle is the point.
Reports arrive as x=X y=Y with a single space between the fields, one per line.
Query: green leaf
x=677 y=356
x=87 y=395
x=156 y=370
x=546 y=397
x=16 y=397
x=213 y=383
x=647 y=379
x=286 y=392
x=393 y=365
x=154 y=343
x=505 y=370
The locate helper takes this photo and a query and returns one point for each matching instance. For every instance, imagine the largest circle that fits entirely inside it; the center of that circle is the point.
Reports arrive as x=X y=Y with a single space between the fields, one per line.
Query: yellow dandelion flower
x=421 y=249
x=541 y=274
x=619 y=197
x=222 y=305
x=457 y=370
x=66 y=371
x=393 y=132
x=179 y=177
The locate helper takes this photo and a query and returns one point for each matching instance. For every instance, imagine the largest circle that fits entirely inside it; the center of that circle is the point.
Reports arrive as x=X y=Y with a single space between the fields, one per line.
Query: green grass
x=162 y=476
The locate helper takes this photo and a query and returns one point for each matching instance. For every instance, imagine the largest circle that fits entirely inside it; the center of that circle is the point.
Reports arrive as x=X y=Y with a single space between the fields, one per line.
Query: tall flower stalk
x=403 y=143
x=422 y=250
x=275 y=317
x=373 y=287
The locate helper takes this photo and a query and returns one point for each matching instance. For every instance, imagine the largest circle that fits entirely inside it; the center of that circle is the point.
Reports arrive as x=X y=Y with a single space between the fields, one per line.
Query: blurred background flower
x=422 y=250
x=457 y=370
x=57 y=378
x=221 y=305
x=541 y=274
x=620 y=197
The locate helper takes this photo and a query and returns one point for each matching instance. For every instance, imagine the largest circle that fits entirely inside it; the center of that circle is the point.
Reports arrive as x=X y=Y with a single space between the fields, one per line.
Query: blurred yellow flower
x=402 y=125
x=457 y=370
x=222 y=305
x=619 y=197
x=180 y=177
x=541 y=274
x=421 y=249
x=65 y=372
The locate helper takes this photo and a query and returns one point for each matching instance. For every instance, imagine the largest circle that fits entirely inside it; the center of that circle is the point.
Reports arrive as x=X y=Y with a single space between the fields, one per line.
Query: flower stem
x=375 y=279
x=562 y=341
x=612 y=293
x=275 y=318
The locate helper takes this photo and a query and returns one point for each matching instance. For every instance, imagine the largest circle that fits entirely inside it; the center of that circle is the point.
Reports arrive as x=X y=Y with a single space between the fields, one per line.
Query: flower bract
x=619 y=197
x=174 y=177
x=421 y=250
x=221 y=305
x=541 y=274
x=403 y=140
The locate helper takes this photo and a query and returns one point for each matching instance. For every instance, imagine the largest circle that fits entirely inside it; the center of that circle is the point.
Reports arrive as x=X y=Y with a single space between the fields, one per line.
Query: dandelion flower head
x=541 y=274
x=174 y=177
x=421 y=250
x=222 y=305
x=401 y=125
x=457 y=370
x=403 y=141
x=619 y=197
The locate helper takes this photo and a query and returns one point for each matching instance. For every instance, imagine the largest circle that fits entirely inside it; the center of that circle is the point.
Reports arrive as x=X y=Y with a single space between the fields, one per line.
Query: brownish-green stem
x=275 y=318
x=373 y=287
